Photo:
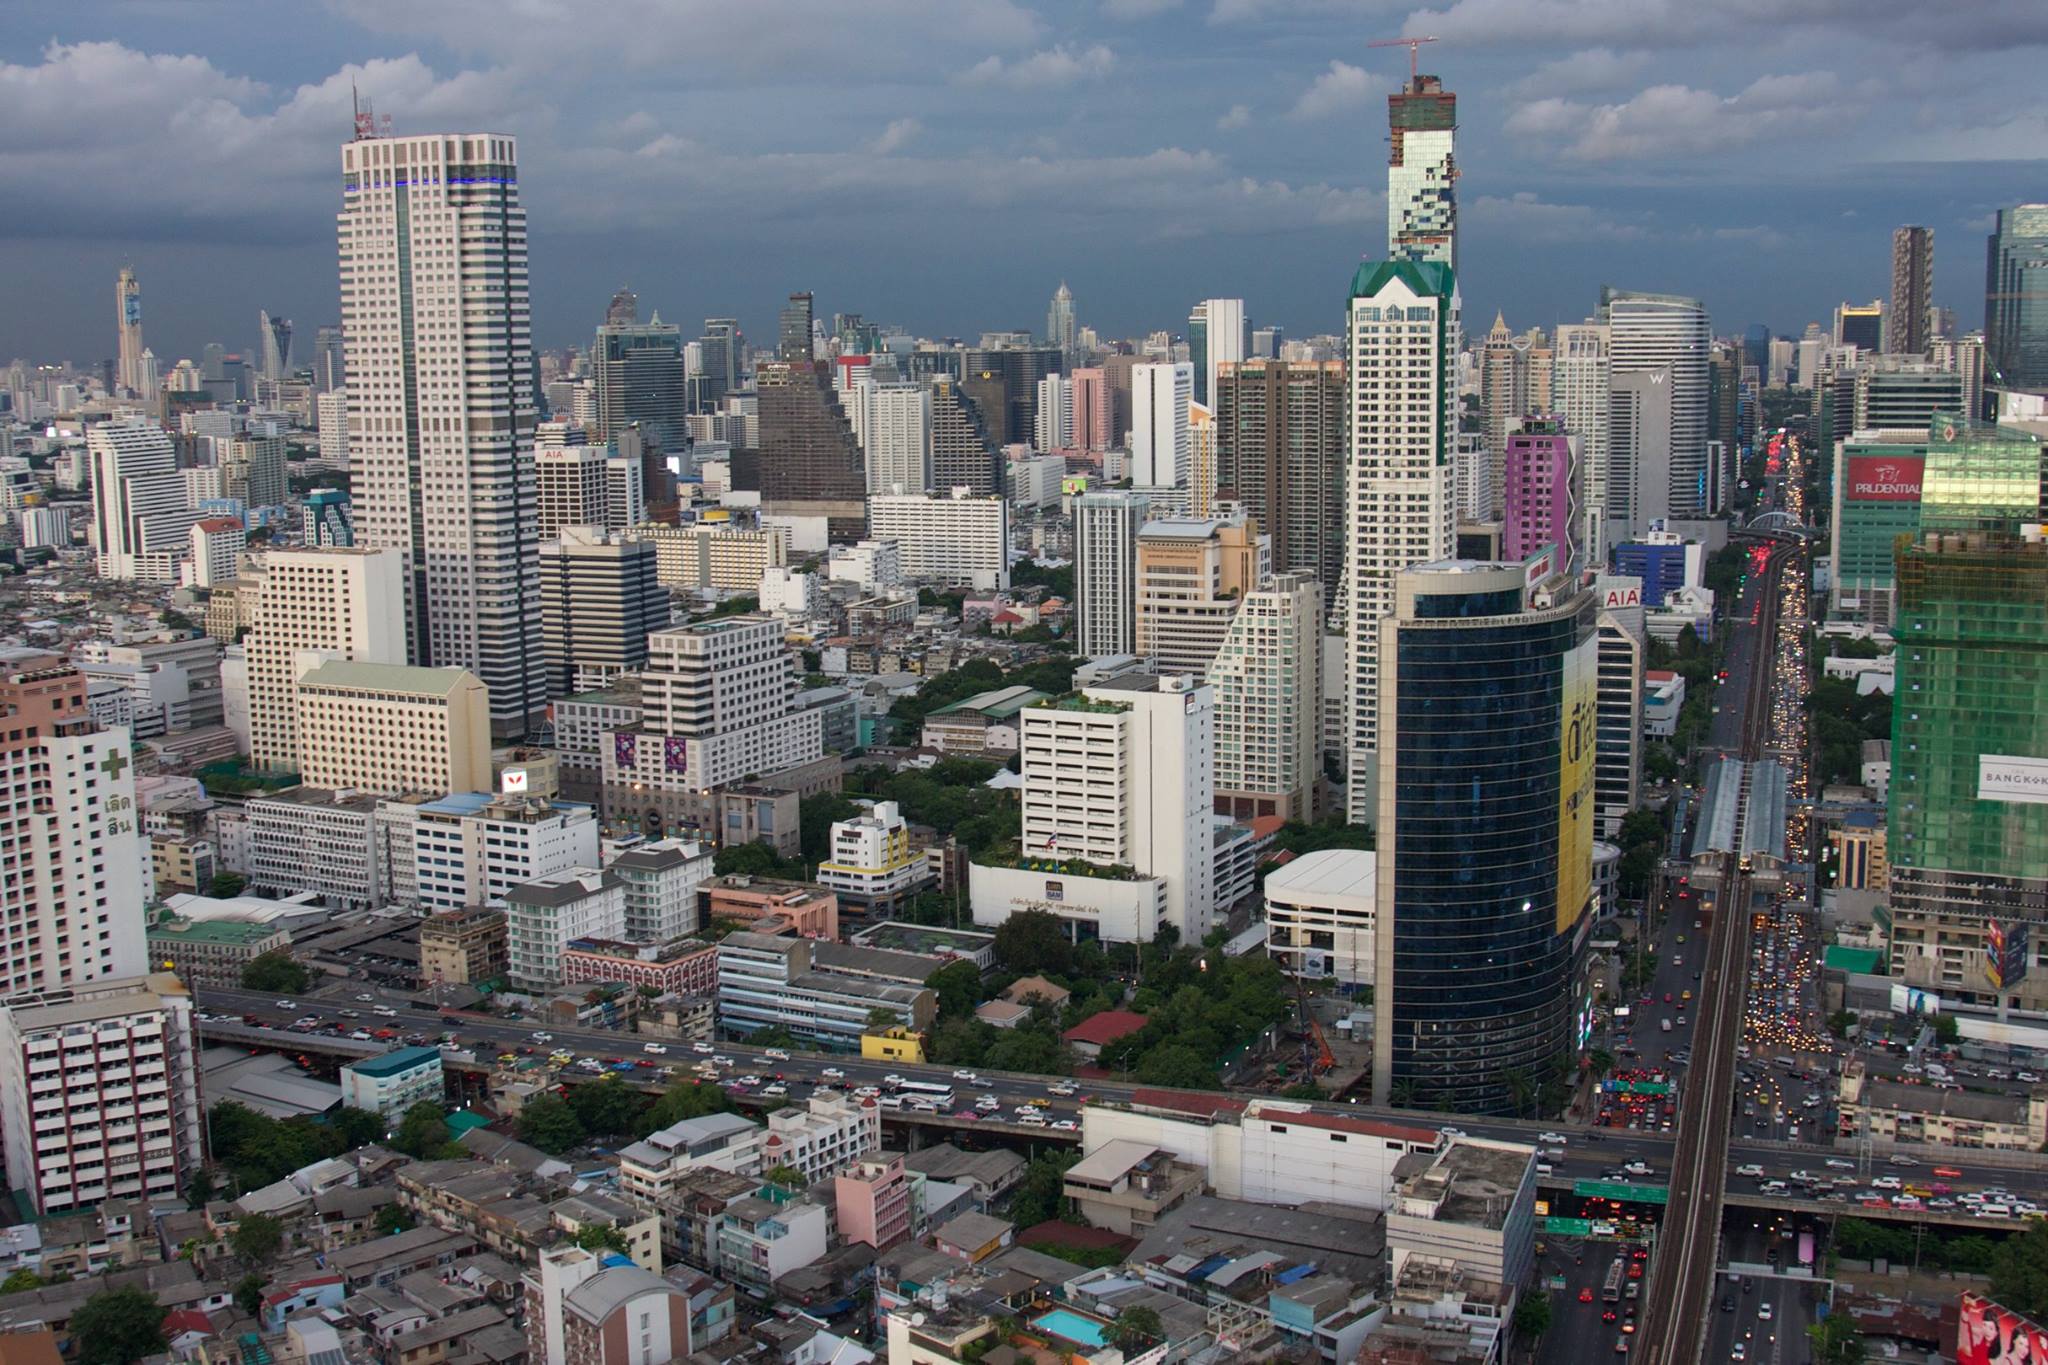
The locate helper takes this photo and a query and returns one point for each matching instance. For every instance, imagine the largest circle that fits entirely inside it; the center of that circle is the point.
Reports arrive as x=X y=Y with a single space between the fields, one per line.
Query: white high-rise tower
x=128 y=318
x=1403 y=421
x=441 y=399
x=1579 y=393
x=1422 y=173
x=1650 y=332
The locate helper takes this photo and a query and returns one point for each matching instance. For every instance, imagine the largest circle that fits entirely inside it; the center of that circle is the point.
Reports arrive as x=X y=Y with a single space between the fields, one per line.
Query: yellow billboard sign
x=1575 y=783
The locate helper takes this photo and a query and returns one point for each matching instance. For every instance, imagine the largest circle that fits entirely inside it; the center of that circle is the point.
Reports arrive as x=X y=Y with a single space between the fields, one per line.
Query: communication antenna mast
x=1414 y=46
x=368 y=123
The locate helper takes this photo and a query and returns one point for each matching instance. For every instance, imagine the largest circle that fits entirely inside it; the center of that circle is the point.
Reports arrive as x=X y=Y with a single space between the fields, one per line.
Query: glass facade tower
x=1486 y=811
x=2016 y=299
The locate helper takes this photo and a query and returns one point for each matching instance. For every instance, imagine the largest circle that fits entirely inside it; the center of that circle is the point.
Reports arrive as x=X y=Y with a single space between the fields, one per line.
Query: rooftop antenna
x=1414 y=46
x=366 y=119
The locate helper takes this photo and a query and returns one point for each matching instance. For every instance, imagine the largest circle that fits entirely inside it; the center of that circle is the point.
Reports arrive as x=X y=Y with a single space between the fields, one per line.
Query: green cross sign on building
x=116 y=763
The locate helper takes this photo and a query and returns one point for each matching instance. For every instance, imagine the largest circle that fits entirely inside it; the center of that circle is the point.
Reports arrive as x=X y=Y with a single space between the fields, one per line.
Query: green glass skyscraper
x=2016 y=299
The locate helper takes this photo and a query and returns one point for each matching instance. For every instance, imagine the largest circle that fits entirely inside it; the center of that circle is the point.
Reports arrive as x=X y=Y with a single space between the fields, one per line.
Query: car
x=1750 y=1169
x=1065 y=1126
x=361 y=1035
x=1451 y=1132
x=776 y=1054
x=654 y=1047
x=385 y=1012
x=1586 y=1293
x=833 y=1073
x=284 y=1004
x=1609 y=1315
x=543 y=1037
x=725 y=1061
x=1667 y=997
x=367 y=999
x=1727 y=1302
x=1903 y=1161
x=1551 y=1139
x=967 y=1116
x=1738 y=1351
x=892 y=1079
x=1948 y=1172
x=1837 y=1164
x=967 y=1076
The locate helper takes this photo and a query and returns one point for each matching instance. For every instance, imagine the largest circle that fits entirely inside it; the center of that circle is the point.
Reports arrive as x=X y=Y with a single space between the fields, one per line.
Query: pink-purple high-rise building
x=1540 y=506
x=1094 y=410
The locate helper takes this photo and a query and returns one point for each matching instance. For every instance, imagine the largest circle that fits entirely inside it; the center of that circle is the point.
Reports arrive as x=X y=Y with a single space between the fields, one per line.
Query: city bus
x=937 y=1092
x=1616 y=1273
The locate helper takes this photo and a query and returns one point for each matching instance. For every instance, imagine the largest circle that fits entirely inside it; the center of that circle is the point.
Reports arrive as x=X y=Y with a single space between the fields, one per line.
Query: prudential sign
x=2006 y=777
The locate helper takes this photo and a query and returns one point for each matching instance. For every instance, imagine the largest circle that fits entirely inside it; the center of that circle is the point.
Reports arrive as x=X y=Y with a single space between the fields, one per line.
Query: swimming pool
x=1064 y=1322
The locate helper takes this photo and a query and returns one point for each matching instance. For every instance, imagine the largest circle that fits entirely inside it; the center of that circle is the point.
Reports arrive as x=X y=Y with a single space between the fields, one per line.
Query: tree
x=1135 y=1328
x=754 y=860
x=355 y=1127
x=607 y=1107
x=392 y=1219
x=20 y=1280
x=881 y=1020
x=199 y=1188
x=775 y=1035
x=2019 y=1271
x=1946 y=1029
x=550 y=1124
x=789 y=1177
x=1304 y=1090
x=1177 y=1066
x=422 y=1131
x=1532 y=1315
x=958 y=987
x=226 y=885
x=116 y=1326
x=276 y=970
x=1834 y=1340
x=1033 y=941
x=249 y=1294
x=596 y=1238
x=1034 y=1050
x=1039 y=1194
x=256 y=1240
x=685 y=1101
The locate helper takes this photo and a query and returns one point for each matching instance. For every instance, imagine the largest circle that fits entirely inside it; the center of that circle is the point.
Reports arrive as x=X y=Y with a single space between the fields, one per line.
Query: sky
x=944 y=167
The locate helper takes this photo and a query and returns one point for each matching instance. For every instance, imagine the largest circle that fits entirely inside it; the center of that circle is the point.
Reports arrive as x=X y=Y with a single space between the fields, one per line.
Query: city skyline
x=1605 y=148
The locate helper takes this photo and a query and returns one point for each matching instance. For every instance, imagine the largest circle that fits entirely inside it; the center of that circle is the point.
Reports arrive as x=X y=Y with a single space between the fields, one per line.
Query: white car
x=1551 y=1139
x=1451 y=1132
x=776 y=1054
x=284 y=1004
x=1837 y=1164
x=1763 y=1311
x=1065 y=1126
x=367 y=999
x=653 y=1047
x=892 y=1079
x=833 y=1073
x=543 y=1037
x=385 y=1012
x=967 y=1076
x=1752 y=1170
x=724 y=1061
x=701 y=1047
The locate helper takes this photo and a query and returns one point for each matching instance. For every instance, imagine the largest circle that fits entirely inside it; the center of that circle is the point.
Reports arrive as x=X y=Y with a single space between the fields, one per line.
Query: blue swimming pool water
x=1062 y=1322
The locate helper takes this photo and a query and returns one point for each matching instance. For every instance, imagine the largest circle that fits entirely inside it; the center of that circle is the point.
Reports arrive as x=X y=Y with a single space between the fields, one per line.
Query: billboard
x=1992 y=1334
x=1580 y=678
x=1885 y=478
x=2007 y=949
x=1912 y=1000
x=2010 y=777
x=1617 y=593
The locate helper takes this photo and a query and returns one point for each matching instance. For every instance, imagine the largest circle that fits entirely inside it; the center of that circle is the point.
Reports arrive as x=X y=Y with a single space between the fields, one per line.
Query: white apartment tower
x=1579 y=388
x=1218 y=331
x=1123 y=774
x=897 y=433
x=1650 y=332
x=959 y=539
x=72 y=892
x=1053 y=428
x=1160 y=440
x=1268 y=684
x=441 y=400
x=139 y=504
x=312 y=604
x=1402 y=419
x=1106 y=527
x=99 y=1093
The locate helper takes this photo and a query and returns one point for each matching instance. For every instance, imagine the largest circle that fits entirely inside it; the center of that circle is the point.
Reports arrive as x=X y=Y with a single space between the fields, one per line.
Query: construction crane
x=1414 y=46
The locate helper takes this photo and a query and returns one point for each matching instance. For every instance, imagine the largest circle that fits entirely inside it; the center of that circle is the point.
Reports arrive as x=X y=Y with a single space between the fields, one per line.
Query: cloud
x=83 y=119
x=1666 y=121
x=1592 y=69
x=899 y=134
x=1341 y=88
x=1238 y=116
x=1760 y=235
x=1254 y=11
x=1060 y=65
x=712 y=39
x=1980 y=25
x=1530 y=218
x=1128 y=10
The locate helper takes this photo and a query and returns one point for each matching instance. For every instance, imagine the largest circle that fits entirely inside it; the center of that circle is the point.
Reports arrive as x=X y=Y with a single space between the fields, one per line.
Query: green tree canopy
x=392 y=1218
x=2019 y=1271
x=249 y=1293
x=1033 y=941
x=1136 y=1327
x=356 y=1127
x=227 y=885
x=20 y=1280
x=116 y=1326
x=1532 y=1314
x=277 y=971
x=550 y=1124
x=958 y=987
x=423 y=1131
x=1834 y=1340
x=256 y=1240
x=606 y=1108
x=686 y=1100
x=595 y=1238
